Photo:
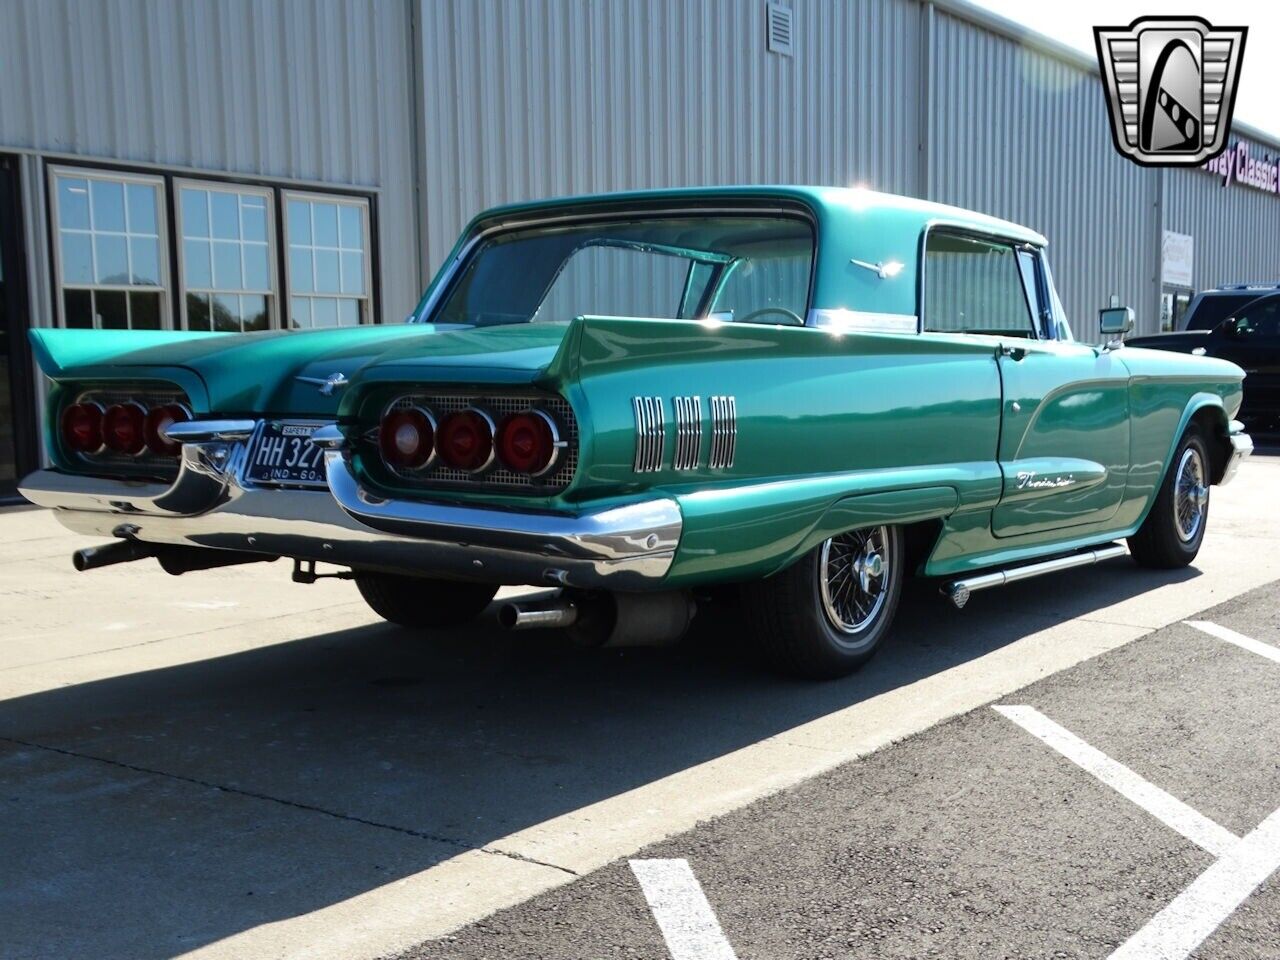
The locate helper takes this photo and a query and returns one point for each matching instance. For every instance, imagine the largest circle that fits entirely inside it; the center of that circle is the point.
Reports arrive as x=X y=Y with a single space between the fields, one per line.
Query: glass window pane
x=113 y=313
x=145 y=310
x=142 y=208
x=324 y=312
x=73 y=203
x=254 y=311
x=225 y=209
x=300 y=312
x=226 y=313
x=300 y=270
x=77 y=308
x=326 y=224
x=253 y=214
x=113 y=258
x=195 y=213
x=327 y=280
x=299 y=222
x=195 y=264
x=352 y=272
x=197 y=311
x=226 y=265
x=351 y=227
x=145 y=253
x=77 y=258
x=348 y=313
x=256 y=274
x=108 y=205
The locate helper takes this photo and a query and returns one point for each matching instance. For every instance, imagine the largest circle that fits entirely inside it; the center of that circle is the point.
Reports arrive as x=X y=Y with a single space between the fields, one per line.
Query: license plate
x=284 y=454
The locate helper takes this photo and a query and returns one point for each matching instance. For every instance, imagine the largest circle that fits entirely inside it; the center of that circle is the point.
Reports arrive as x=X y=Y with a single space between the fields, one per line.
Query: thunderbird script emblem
x=334 y=381
x=1171 y=87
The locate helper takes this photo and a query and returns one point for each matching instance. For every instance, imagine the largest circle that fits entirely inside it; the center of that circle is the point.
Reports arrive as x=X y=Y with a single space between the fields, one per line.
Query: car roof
x=834 y=205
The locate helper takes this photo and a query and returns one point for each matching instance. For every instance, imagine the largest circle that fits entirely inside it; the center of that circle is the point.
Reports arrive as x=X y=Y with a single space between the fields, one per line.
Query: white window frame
x=274 y=295
x=365 y=205
x=164 y=290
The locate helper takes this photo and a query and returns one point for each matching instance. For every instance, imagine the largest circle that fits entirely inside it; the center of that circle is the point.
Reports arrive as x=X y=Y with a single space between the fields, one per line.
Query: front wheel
x=1171 y=535
x=421 y=603
x=825 y=615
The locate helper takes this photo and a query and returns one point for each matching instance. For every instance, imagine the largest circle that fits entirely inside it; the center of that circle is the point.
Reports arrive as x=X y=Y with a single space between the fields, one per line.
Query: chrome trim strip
x=958 y=591
x=688 y=453
x=724 y=432
x=201 y=431
x=1241 y=447
x=651 y=433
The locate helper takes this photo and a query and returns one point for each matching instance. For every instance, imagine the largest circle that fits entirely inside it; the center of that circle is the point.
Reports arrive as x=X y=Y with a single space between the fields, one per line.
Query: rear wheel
x=826 y=615
x=1174 y=529
x=421 y=603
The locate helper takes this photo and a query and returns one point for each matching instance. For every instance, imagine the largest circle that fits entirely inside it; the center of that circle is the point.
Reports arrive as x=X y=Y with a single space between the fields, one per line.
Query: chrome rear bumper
x=210 y=504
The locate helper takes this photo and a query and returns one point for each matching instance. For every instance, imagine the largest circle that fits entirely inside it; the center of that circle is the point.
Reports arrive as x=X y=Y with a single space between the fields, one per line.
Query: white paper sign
x=1176 y=257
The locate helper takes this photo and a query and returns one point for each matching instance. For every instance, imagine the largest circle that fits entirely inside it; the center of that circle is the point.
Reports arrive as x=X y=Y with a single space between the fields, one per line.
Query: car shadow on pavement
x=149 y=814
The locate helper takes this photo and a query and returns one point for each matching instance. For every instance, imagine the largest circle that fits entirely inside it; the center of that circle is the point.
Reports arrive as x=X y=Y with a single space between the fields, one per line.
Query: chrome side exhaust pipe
x=531 y=615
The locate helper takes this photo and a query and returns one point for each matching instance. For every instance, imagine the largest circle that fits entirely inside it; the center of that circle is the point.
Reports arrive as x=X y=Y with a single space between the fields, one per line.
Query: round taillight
x=527 y=442
x=82 y=427
x=465 y=440
x=407 y=438
x=158 y=420
x=123 y=428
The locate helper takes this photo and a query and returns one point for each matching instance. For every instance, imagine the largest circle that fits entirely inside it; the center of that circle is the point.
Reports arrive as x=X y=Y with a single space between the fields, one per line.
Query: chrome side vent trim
x=724 y=432
x=688 y=432
x=650 y=433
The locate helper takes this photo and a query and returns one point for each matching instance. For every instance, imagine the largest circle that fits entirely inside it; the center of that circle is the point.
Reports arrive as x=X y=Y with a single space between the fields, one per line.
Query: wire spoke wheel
x=855 y=571
x=1190 y=495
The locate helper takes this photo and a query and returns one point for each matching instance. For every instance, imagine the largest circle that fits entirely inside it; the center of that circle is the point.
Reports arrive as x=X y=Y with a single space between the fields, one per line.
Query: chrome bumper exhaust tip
x=532 y=615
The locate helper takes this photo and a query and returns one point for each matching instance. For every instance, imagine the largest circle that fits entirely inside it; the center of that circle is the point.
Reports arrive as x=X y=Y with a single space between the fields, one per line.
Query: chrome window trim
x=963 y=229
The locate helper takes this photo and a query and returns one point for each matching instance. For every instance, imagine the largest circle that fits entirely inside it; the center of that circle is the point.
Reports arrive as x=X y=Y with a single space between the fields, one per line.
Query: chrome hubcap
x=1190 y=495
x=854 y=578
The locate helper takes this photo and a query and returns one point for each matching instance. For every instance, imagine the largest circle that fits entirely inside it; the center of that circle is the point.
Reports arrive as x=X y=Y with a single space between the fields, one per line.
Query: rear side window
x=974 y=286
x=1214 y=308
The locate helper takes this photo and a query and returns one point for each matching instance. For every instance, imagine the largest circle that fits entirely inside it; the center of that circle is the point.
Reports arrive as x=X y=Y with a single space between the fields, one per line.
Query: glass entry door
x=17 y=424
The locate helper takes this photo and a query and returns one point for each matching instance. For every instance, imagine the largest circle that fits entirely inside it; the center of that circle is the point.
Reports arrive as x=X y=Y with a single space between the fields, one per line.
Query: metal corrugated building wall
x=308 y=92
x=1236 y=228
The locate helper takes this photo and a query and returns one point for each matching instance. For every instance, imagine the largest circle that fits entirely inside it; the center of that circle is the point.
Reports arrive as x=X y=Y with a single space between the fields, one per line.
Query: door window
x=1260 y=322
x=974 y=286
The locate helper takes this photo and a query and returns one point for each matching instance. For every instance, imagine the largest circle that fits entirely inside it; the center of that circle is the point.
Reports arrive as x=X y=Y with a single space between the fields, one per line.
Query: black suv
x=1240 y=323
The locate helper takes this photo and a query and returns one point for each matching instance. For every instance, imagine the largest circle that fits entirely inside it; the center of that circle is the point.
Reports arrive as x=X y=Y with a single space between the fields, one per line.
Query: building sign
x=1238 y=164
x=1176 y=257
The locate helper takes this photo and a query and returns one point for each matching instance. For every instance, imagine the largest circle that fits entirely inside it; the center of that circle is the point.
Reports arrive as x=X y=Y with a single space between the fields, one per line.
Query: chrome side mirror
x=1115 y=321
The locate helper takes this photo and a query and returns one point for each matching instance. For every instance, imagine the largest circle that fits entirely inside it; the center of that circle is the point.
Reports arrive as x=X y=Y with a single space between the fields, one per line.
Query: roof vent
x=779 y=30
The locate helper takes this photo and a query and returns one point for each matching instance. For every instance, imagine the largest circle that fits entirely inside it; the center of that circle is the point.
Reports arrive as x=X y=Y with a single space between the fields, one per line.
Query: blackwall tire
x=828 y=613
x=421 y=603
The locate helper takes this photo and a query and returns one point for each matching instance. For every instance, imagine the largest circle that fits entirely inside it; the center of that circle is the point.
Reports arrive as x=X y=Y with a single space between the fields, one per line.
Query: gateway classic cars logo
x=1171 y=87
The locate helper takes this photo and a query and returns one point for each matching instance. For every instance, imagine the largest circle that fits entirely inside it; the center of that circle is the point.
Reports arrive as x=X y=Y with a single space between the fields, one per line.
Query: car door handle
x=1013 y=353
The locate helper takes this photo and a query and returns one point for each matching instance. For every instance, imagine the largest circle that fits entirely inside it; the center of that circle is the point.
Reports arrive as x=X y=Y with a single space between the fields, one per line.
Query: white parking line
x=684 y=916
x=1166 y=808
x=1239 y=639
x=1196 y=912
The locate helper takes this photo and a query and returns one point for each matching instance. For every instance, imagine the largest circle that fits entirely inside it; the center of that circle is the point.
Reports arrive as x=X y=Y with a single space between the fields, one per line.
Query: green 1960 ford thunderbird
x=807 y=394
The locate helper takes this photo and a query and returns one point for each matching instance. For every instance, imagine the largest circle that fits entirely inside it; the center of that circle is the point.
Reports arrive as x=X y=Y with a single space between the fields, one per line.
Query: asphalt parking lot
x=228 y=765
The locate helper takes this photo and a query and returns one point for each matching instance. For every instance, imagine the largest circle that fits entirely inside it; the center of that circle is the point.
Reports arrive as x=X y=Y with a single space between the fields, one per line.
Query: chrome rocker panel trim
x=630 y=547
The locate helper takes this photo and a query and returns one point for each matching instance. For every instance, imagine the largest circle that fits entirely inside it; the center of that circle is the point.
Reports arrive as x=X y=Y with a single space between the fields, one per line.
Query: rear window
x=733 y=268
x=1213 y=309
